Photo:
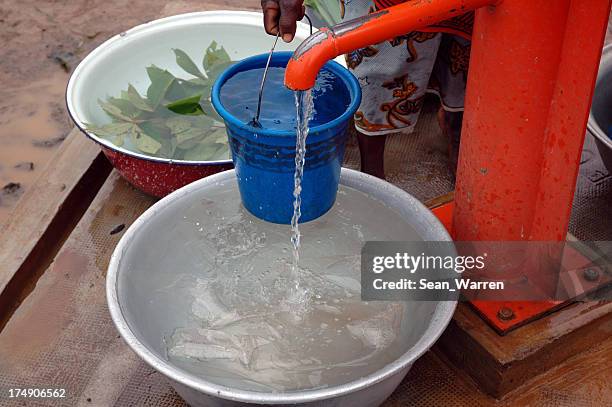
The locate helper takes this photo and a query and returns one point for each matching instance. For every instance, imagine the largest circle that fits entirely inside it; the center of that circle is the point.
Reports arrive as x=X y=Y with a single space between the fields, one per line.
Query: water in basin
x=214 y=281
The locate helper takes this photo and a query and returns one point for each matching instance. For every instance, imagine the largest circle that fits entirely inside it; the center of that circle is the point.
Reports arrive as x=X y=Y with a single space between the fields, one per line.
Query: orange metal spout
x=380 y=26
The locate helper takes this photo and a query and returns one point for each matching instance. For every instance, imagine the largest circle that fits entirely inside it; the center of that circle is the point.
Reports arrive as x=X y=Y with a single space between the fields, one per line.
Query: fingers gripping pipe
x=373 y=28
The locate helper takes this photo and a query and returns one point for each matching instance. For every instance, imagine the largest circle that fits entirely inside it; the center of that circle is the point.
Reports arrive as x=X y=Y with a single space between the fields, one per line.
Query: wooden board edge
x=500 y=364
x=46 y=214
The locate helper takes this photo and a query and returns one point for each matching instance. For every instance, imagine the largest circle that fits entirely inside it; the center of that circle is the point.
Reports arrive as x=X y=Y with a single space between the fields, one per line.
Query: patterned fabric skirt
x=395 y=75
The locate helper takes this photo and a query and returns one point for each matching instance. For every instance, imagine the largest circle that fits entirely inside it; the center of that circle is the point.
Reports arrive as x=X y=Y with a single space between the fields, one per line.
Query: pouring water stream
x=304 y=107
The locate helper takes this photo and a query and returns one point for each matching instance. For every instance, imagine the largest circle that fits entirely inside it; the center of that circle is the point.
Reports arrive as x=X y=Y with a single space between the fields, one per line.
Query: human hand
x=283 y=15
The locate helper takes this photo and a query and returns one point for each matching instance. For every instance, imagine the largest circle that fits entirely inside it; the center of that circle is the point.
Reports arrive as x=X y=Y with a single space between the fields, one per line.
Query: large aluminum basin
x=141 y=321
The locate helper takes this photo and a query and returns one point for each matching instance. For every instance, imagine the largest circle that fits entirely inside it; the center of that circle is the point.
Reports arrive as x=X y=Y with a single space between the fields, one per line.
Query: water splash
x=228 y=318
x=304 y=107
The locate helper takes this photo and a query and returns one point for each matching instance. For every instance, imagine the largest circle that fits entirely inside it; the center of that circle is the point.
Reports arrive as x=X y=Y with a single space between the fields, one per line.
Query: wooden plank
x=61 y=334
x=46 y=214
x=500 y=364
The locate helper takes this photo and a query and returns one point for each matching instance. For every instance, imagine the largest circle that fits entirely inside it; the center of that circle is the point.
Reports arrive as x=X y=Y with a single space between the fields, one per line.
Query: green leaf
x=156 y=129
x=127 y=108
x=168 y=148
x=113 y=111
x=213 y=57
x=189 y=131
x=209 y=110
x=201 y=152
x=161 y=80
x=187 y=106
x=183 y=60
x=113 y=132
x=176 y=118
x=216 y=70
x=197 y=86
x=178 y=124
x=137 y=101
x=178 y=90
x=198 y=82
x=218 y=136
x=143 y=142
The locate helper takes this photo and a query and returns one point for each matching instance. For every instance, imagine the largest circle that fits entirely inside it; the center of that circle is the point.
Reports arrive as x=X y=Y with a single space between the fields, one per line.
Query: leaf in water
x=176 y=118
x=222 y=153
x=187 y=106
x=214 y=56
x=189 y=144
x=214 y=72
x=198 y=82
x=127 y=108
x=178 y=124
x=219 y=136
x=209 y=110
x=178 y=90
x=117 y=140
x=168 y=148
x=161 y=80
x=113 y=111
x=113 y=132
x=143 y=142
x=190 y=132
x=190 y=138
x=207 y=149
x=201 y=152
x=137 y=101
x=110 y=129
x=202 y=122
x=156 y=129
x=183 y=60
x=197 y=86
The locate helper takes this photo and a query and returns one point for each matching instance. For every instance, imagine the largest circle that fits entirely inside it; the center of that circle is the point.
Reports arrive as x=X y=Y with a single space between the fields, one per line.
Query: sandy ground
x=42 y=41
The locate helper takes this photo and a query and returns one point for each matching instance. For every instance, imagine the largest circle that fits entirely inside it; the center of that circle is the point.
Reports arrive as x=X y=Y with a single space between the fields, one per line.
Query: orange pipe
x=373 y=28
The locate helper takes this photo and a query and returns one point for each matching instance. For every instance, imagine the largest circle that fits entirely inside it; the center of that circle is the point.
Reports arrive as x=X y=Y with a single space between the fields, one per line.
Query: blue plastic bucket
x=265 y=158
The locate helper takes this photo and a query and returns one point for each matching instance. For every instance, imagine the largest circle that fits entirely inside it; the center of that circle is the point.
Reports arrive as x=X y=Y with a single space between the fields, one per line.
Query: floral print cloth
x=395 y=75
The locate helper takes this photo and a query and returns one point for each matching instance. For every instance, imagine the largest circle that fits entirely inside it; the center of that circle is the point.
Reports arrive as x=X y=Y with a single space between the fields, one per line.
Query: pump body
x=531 y=78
